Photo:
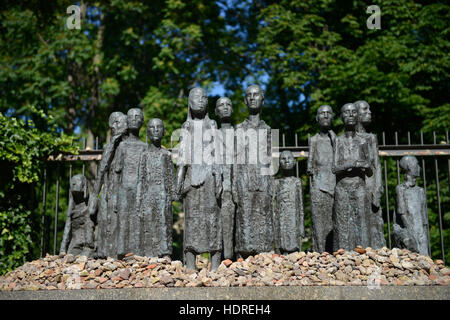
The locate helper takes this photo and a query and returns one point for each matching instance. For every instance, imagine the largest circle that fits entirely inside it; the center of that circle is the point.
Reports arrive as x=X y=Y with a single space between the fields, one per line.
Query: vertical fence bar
x=84 y=170
x=387 y=195
x=309 y=150
x=436 y=169
x=448 y=160
x=44 y=206
x=425 y=189
x=296 y=162
x=56 y=210
x=84 y=148
x=398 y=167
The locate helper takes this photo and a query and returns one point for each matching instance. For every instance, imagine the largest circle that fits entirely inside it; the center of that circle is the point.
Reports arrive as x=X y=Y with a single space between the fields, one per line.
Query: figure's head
x=78 y=183
x=287 y=160
x=364 y=114
x=118 y=123
x=155 y=129
x=135 y=119
x=254 y=98
x=224 y=108
x=410 y=165
x=349 y=114
x=198 y=101
x=325 y=116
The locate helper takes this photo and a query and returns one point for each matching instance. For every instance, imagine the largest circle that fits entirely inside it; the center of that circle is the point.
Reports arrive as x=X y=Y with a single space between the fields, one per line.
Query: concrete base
x=240 y=293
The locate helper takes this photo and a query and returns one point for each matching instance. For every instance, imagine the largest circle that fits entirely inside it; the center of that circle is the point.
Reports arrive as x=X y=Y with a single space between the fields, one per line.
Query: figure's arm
x=336 y=166
x=275 y=217
x=90 y=232
x=217 y=169
x=67 y=227
x=102 y=168
x=365 y=163
x=378 y=176
x=116 y=179
x=424 y=209
x=119 y=161
x=400 y=206
x=171 y=178
x=310 y=169
x=301 y=210
x=141 y=177
x=332 y=136
x=105 y=163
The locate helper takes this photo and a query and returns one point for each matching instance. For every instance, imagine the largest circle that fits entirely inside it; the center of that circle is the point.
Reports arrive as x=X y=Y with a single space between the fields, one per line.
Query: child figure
x=78 y=238
x=155 y=193
x=410 y=219
x=288 y=208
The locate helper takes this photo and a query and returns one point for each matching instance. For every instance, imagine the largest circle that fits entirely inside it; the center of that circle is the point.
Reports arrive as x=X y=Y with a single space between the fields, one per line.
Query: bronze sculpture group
x=233 y=205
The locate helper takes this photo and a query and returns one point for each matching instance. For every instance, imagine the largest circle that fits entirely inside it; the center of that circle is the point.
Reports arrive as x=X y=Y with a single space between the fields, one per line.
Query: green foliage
x=22 y=149
x=15 y=238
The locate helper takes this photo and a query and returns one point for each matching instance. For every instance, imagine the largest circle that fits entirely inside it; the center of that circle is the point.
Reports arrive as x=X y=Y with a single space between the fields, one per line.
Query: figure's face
x=287 y=160
x=364 y=114
x=224 y=108
x=122 y=125
x=349 y=115
x=155 y=130
x=135 y=119
x=414 y=168
x=119 y=125
x=198 y=101
x=77 y=184
x=254 y=98
x=325 y=116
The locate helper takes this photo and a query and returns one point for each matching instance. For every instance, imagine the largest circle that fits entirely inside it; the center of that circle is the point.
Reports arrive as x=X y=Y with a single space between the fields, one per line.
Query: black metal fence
x=434 y=158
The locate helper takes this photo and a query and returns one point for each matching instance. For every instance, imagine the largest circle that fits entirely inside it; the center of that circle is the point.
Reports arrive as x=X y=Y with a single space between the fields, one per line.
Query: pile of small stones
x=361 y=267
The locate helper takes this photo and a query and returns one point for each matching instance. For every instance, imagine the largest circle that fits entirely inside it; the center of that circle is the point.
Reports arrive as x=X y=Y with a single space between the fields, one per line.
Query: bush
x=22 y=149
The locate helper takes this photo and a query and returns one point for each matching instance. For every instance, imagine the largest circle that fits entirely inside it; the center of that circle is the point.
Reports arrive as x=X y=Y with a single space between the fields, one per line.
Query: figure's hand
x=362 y=164
x=176 y=197
x=376 y=202
x=178 y=190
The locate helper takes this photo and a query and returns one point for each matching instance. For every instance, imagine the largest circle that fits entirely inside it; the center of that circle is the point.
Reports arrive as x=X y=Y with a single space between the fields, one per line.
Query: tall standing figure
x=198 y=184
x=351 y=164
x=410 y=219
x=323 y=181
x=224 y=110
x=103 y=212
x=288 y=214
x=126 y=168
x=155 y=193
x=374 y=183
x=253 y=185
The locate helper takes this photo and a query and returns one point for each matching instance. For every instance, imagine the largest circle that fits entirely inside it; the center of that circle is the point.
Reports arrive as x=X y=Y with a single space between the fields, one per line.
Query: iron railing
x=431 y=157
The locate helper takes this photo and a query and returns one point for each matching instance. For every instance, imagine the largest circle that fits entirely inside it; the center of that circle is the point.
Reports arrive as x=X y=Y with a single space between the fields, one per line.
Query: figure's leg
x=190 y=260
x=227 y=212
x=215 y=260
x=328 y=222
x=317 y=235
x=363 y=213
